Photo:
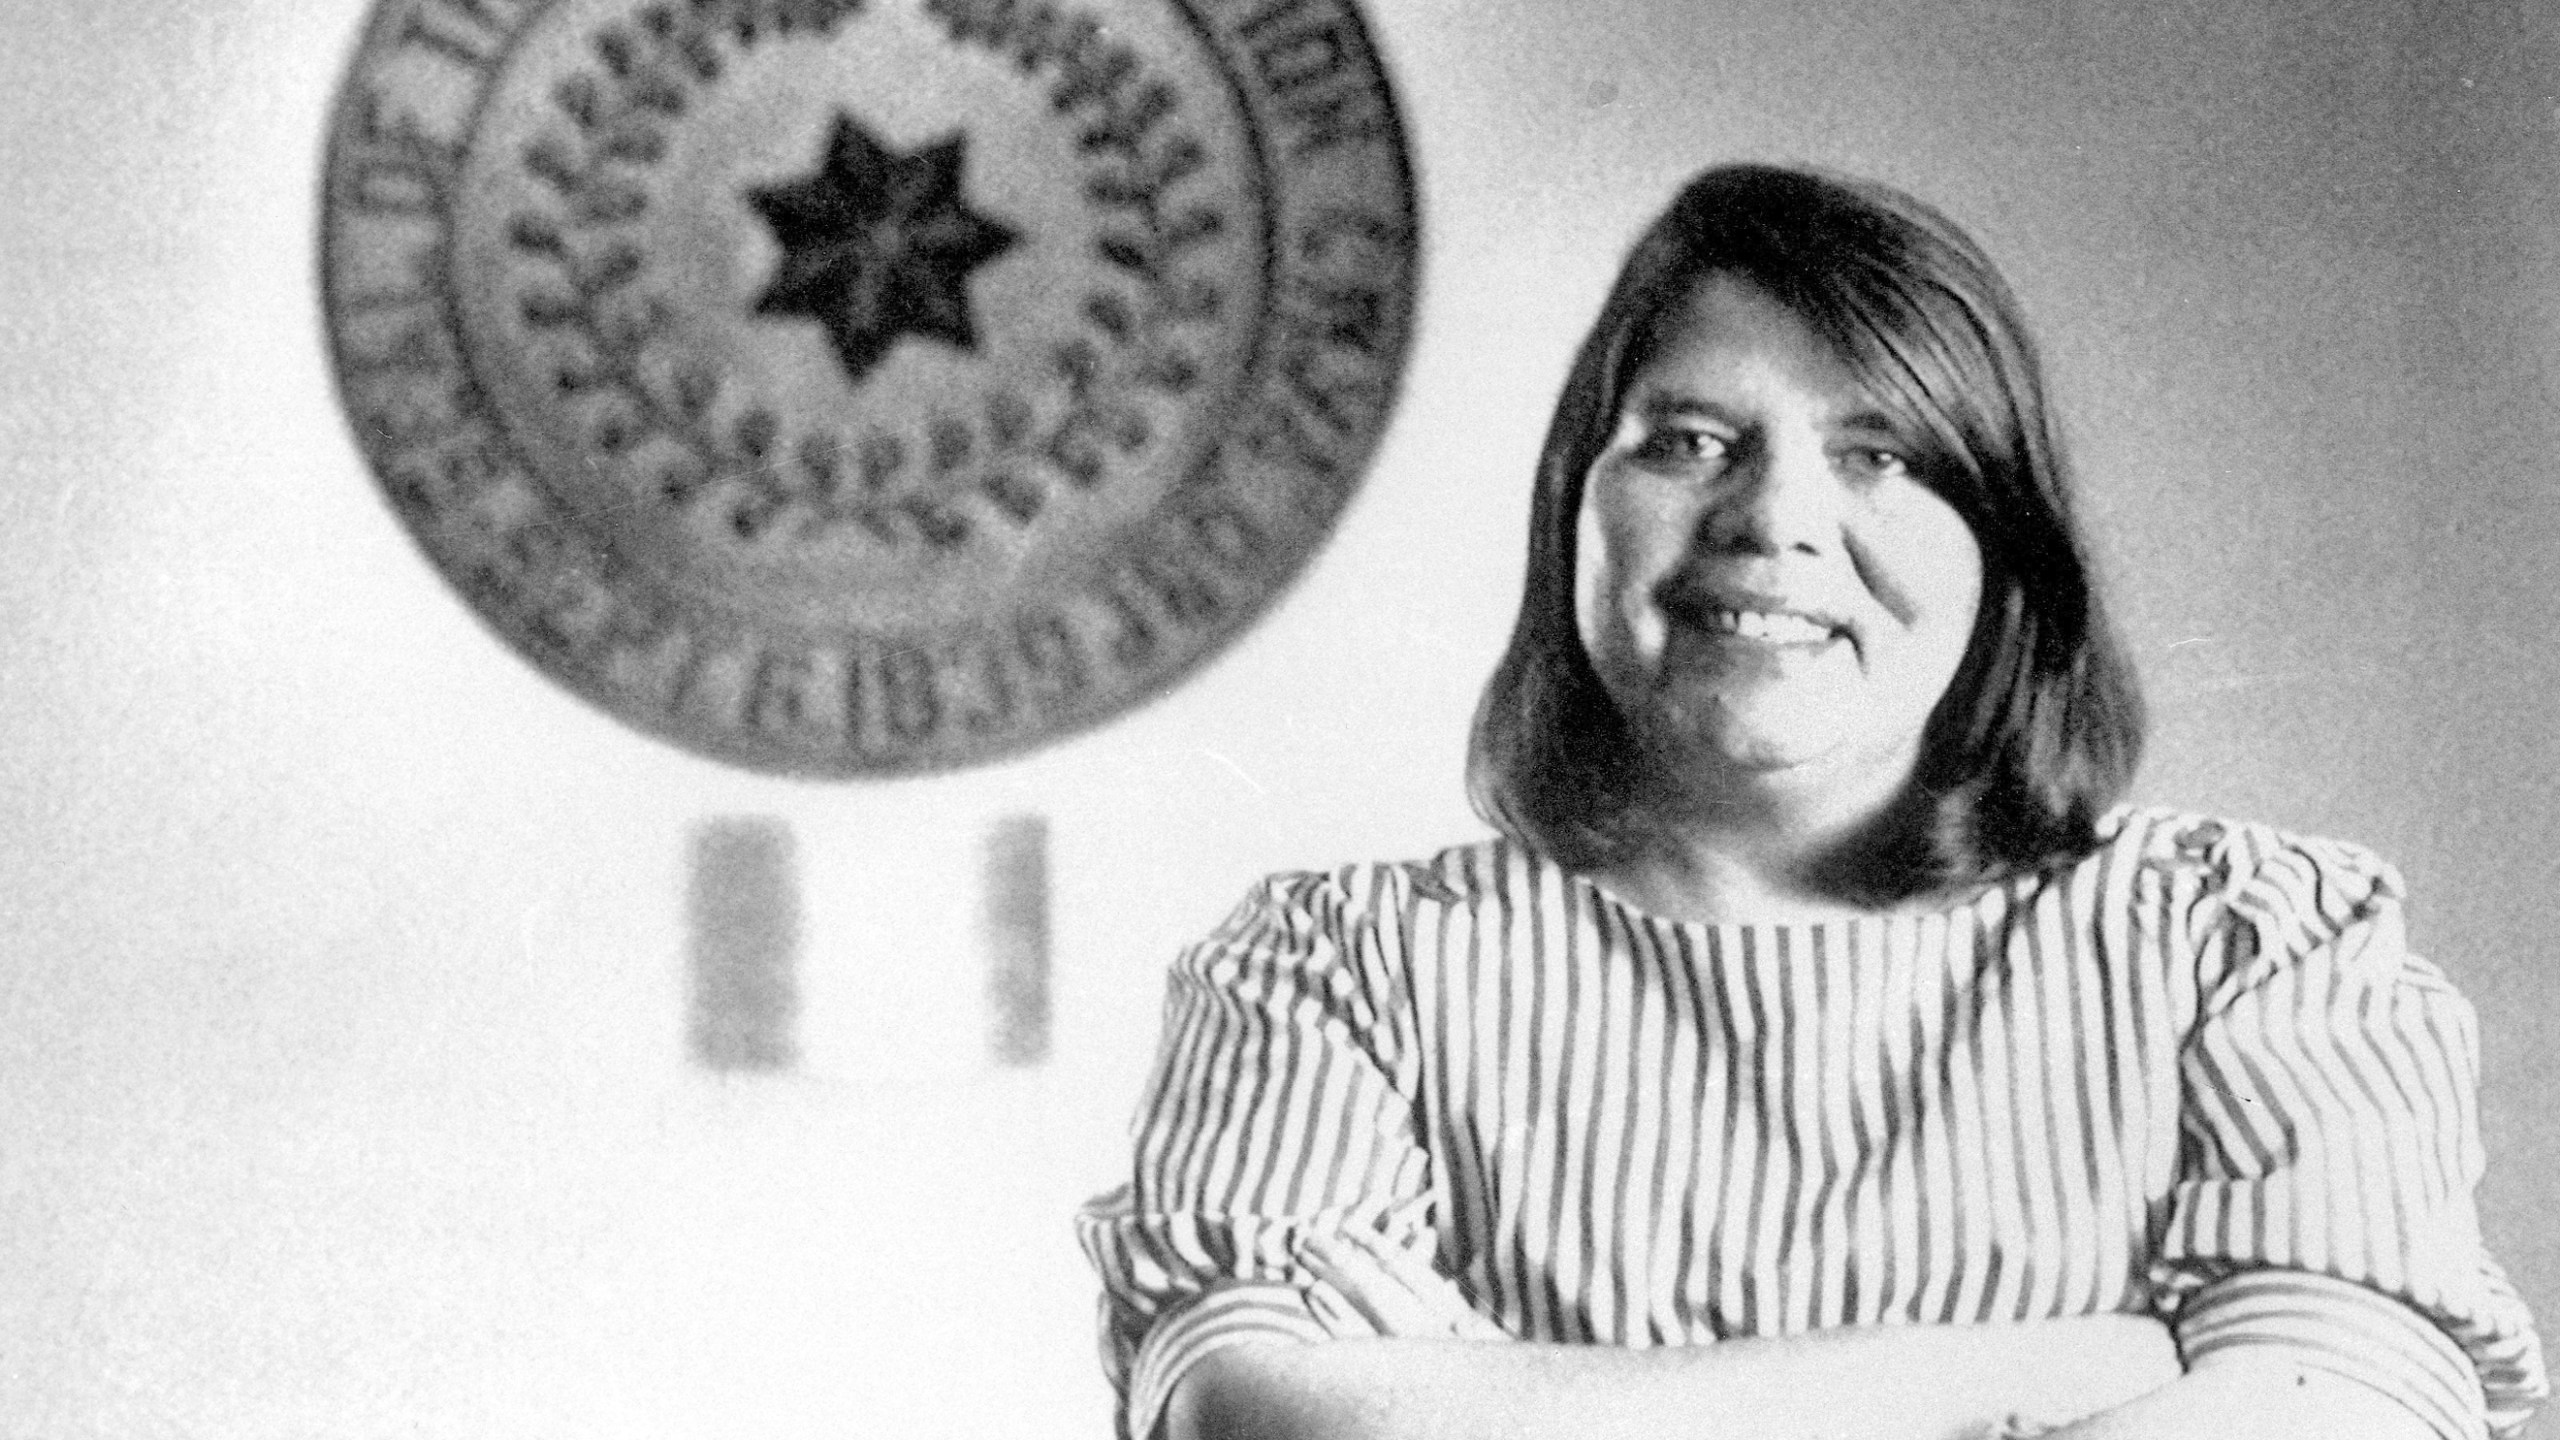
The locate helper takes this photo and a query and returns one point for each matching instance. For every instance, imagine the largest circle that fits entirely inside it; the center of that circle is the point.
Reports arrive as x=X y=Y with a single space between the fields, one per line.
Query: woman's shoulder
x=2288 y=892
x=2246 y=861
x=1337 y=920
x=2293 y=889
x=1460 y=874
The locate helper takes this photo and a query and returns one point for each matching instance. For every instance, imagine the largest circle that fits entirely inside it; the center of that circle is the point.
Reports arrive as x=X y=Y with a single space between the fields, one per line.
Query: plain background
x=342 y=1082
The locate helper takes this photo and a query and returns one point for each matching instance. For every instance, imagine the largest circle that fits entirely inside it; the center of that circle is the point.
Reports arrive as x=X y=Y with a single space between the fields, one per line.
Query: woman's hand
x=1373 y=1287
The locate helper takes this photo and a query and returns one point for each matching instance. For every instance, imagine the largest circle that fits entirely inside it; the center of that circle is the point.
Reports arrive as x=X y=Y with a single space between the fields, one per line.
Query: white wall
x=341 y=1000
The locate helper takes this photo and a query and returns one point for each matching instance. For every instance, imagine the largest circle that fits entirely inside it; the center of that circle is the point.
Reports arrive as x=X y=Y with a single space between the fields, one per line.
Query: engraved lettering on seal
x=1316 y=62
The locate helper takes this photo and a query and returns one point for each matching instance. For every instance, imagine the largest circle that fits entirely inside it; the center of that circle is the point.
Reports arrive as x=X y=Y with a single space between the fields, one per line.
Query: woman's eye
x=1871 y=462
x=1673 y=446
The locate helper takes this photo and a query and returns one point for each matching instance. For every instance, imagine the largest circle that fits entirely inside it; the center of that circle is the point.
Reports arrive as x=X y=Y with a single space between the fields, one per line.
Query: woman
x=1820 y=1050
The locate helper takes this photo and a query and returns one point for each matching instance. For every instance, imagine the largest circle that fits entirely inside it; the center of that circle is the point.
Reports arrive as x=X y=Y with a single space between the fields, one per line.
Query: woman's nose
x=1783 y=496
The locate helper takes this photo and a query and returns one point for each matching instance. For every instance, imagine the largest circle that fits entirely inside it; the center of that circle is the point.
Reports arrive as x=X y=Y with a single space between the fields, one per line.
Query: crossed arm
x=1278 y=1037
x=1440 y=1374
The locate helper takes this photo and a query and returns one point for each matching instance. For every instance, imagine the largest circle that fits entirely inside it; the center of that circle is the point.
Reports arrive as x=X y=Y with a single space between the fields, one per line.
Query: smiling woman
x=1770 y=596
x=1910 y=366
x=1822 y=1050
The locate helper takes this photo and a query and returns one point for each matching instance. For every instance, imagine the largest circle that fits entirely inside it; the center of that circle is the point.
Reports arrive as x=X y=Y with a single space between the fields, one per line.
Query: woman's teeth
x=1775 y=628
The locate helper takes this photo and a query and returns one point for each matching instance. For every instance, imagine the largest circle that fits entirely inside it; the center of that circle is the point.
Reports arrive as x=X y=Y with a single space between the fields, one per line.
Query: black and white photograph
x=1279 y=719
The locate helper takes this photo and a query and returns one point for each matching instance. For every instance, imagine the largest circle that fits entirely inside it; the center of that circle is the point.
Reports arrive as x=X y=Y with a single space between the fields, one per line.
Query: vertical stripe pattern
x=2197 y=1073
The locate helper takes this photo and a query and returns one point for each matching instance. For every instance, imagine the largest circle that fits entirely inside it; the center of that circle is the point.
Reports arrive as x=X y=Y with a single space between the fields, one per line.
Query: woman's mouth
x=1771 y=627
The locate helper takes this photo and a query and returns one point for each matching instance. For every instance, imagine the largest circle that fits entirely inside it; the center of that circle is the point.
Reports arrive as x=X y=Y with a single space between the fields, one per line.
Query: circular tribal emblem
x=859 y=387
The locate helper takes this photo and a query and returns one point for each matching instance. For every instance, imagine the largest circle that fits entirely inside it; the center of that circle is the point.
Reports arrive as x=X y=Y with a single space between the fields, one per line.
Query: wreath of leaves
x=618 y=113
x=1103 y=82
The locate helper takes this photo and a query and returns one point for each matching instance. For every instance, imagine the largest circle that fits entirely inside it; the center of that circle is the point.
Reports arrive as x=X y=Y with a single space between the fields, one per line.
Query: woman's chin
x=1727 y=748
x=1730 y=727
x=1810 y=757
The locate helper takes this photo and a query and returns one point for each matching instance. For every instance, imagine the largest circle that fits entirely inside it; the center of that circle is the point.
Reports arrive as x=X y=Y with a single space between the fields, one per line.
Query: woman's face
x=1767 y=591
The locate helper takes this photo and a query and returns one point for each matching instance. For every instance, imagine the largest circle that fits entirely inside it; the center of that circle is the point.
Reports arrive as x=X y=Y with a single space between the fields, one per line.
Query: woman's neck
x=1768 y=854
x=1713 y=887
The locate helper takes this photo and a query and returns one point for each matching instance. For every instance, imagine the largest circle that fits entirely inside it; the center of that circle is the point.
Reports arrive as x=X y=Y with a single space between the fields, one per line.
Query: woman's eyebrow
x=1658 y=404
x=1868 y=421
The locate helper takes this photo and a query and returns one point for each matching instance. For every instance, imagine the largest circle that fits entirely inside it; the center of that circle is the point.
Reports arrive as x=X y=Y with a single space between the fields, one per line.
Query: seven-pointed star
x=877 y=245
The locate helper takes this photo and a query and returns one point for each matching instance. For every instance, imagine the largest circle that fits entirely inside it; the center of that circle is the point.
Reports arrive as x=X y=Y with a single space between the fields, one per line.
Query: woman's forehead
x=1729 y=340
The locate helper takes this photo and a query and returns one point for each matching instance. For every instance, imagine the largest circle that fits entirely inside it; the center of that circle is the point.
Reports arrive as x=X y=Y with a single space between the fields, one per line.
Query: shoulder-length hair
x=2040 y=729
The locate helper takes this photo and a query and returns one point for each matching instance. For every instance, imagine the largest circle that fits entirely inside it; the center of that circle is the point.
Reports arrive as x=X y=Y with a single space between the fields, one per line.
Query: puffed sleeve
x=2330 y=1147
x=1278 y=1108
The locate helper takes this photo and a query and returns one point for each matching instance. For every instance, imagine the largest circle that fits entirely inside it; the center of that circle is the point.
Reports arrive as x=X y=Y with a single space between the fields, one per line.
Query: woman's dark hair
x=2041 y=728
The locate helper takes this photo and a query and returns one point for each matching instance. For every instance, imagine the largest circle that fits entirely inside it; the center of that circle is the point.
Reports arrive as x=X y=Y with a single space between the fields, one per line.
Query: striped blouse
x=2196 y=1074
